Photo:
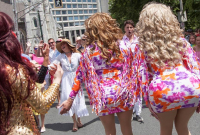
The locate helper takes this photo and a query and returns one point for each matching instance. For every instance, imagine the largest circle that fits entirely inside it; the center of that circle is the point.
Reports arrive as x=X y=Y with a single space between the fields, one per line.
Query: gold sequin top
x=22 y=121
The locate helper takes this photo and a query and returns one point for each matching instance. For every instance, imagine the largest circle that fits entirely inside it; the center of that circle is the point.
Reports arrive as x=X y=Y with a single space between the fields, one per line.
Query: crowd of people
x=151 y=61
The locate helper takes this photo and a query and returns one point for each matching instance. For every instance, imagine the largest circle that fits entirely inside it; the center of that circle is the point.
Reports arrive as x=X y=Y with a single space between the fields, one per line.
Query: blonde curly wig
x=104 y=31
x=159 y=35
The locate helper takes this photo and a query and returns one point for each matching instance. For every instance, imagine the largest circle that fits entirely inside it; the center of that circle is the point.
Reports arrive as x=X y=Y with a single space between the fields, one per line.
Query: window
x=71 y=24
x=58 y=18
x=63 y=0
x=69 y=11
x=68 y=0
x=57 y=12
x=52 y=6
x=64 y=12
x=94 y=5
x=84 y=0
x=80 y=11
x=75 y=12
x=89 y=6
x=94 y=1
x=64 y=5
x=69 y=6
x=64 y=18
x=74 y=5
x=85 y=11
x=82 y=31
x=76 y=23
x=79 y=5
x=95 y=11
x=86 y=17
x=70 y=17
x=84 y=6
x=73 y=0
x=35 y=22
x=90 y=11
x=73 y=37
x=67 y=34
x=65 y=24
x=50 y=0
x=77 y=32
x=79 y=0
x=53 y=12
x=75 y=17
x=81 y=23
x=81 y=17
x=89 y=0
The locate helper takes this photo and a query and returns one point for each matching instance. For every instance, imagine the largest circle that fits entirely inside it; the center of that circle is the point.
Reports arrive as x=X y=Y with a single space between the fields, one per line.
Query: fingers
x=60 y=106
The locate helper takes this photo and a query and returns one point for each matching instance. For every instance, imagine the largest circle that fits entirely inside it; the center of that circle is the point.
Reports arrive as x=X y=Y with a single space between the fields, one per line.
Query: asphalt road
x=62 y=125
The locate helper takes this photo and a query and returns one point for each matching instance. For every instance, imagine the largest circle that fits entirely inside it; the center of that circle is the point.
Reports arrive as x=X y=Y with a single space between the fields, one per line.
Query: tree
x=123 y=10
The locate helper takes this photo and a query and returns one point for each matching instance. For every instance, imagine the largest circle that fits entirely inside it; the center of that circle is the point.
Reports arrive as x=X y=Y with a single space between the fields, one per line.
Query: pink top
x=39 y=60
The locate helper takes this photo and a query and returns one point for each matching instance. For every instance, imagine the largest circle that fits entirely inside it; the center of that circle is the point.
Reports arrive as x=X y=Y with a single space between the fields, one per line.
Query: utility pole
x=16 y=20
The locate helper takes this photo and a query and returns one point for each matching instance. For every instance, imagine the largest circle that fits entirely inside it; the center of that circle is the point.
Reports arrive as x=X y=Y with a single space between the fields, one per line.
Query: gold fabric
x=22 y=121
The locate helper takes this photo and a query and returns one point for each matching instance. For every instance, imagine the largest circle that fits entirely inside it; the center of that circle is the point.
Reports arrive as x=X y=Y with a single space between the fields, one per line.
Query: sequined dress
x=22 y=120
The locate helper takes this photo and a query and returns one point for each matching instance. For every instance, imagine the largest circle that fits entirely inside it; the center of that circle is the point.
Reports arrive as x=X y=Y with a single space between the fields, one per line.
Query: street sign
x=182 y=17
x=58 y=4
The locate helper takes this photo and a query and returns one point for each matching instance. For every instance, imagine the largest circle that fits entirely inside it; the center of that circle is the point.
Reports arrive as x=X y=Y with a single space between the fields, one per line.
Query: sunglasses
x=35 y=48
x=50 y=43
x=83 y=39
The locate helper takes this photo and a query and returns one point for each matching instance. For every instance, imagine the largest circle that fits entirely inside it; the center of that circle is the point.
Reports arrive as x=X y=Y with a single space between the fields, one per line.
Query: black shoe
x=139 y=119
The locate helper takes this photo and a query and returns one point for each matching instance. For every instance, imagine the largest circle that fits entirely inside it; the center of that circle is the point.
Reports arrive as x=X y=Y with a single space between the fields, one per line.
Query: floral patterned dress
x=172 y=88
x=111 y=88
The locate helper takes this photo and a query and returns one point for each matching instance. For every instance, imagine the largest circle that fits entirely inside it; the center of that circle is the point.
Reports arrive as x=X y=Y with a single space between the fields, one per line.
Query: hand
x=59 y=72
x=52 y=70
x=28 y=44
x=66 y=105
x=45 y=51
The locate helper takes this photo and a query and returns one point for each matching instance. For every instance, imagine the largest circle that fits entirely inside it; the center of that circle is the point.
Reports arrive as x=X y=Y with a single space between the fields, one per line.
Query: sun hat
x=78 y=38
x=58 y=46
x=58 y=40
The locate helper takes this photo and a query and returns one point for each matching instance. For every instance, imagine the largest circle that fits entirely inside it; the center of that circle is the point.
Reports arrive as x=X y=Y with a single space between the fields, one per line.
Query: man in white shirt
x=130 y=40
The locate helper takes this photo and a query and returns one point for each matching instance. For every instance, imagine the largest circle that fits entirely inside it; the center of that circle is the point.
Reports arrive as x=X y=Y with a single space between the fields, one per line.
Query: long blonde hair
x=159 y=35
x=103 y=30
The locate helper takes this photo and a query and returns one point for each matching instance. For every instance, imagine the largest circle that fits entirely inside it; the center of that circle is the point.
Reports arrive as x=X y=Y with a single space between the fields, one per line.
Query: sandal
x=74 y=129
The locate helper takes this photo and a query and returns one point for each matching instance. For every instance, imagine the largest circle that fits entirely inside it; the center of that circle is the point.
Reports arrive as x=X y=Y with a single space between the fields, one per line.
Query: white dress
x=78 y=106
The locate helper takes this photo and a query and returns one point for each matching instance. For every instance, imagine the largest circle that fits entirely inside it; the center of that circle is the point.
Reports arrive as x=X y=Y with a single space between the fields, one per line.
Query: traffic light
x=58 y=4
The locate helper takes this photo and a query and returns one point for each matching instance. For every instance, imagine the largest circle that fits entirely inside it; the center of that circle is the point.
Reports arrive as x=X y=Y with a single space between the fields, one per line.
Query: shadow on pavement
x=92 y=121
x=60 y=126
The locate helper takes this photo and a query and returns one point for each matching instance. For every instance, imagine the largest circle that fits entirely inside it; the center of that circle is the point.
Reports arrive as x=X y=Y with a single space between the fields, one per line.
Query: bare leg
x=125 y=122
x=75 y=127
x=108 y=122
x=166 y=122
x=42 y=116
x=182 y=119
x=79 y=124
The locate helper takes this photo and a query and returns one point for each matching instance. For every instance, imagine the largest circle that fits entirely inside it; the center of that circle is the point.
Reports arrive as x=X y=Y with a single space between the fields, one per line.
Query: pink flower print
x=194 y=81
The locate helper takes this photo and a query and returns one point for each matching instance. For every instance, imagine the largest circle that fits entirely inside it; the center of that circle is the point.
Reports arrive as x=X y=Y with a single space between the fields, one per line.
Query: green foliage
x=123 y=10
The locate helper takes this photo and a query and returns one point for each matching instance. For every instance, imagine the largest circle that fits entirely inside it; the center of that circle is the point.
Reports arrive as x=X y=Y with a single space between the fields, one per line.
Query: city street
x=62 y=125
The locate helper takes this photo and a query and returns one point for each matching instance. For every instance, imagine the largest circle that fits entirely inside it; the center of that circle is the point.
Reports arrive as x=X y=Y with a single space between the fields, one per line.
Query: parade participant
x=18 y=90
x=197 y=47
x=105 y=70
x=69 y=60
x=173 y=92
x=78 y=43
x=130 y=40
x=192 y=40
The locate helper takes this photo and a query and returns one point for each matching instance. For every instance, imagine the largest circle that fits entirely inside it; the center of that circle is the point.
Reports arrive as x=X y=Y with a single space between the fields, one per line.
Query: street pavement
x=57 y=124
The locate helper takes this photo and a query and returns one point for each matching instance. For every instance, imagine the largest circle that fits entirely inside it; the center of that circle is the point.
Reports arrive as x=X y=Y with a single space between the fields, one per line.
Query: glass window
x=58 y=18
x=90 y=11
x=84 y=0
x=50 y=0
x=79 y=5
x=35 y=22
x=76 y=23
x=67 y=34
x=77 y=33
x=81 y=17
x=75 y=12
x=65 y=24
x=95 y=11
x=64 y=5
x=84 y=6
x=75 y=17
x=73 y=37
x=79 y=0
x=64 y=18
x=57 y=12
x=94 y=5
x=94 y=1
x=69 y=6
x=86 y=17
x=74 y=5
x=73 y=0
x=81 y=23
x=70 y=17
x=53 y=12
x=82 y=31
x=64 y=12
x=89 y=0
x=85 y=11
x=89 y=6
x=69 y=11
x=80 y=11
x=71 y=24
x=52 y=5
x=68 y=0
x=63 y=0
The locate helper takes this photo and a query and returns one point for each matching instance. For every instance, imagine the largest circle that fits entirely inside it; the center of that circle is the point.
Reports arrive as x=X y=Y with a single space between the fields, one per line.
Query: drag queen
x=105 y=69
x=173 y=91
x=69 y=60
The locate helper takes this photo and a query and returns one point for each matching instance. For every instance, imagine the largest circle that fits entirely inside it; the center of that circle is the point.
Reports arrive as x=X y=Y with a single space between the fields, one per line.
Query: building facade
x=72 y=15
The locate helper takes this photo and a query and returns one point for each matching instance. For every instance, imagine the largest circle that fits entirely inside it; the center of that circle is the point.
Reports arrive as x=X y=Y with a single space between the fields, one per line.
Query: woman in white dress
x=69 y=61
